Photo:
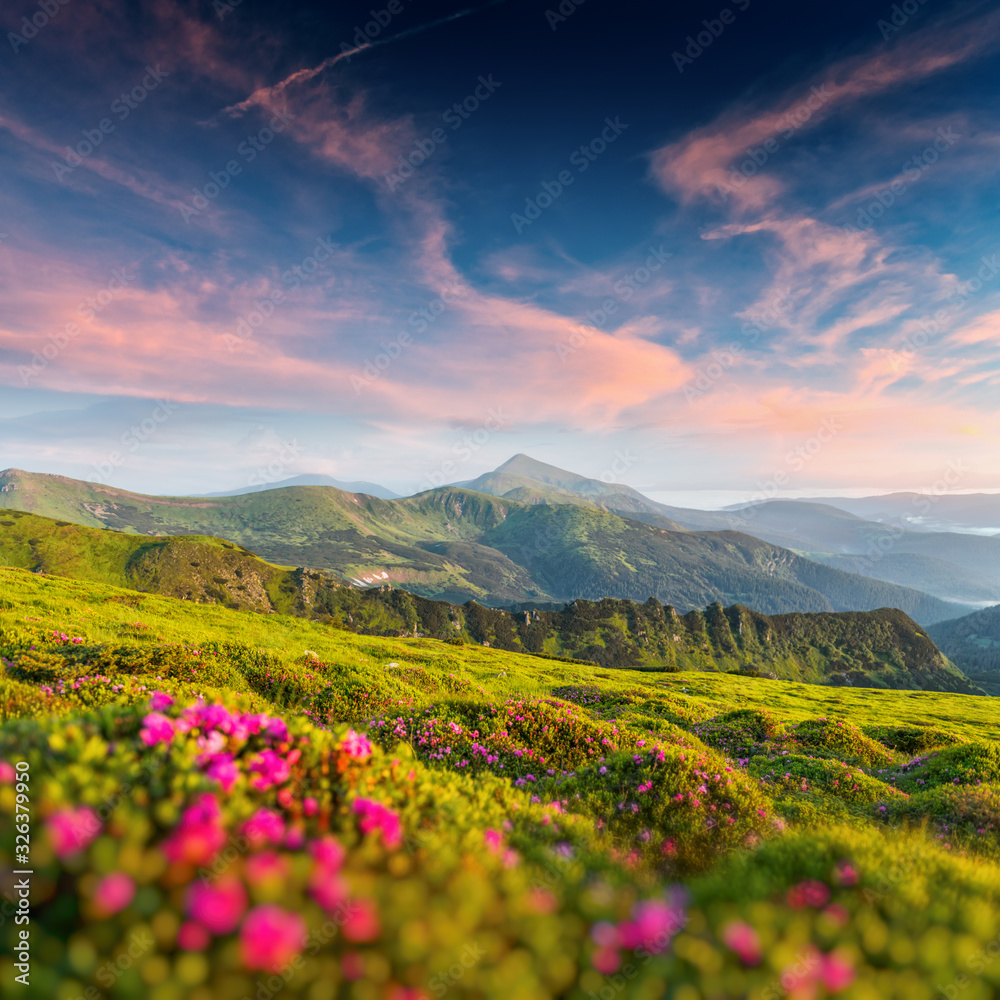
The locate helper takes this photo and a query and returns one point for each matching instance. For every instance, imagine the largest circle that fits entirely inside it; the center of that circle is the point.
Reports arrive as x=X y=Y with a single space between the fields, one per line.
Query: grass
x=519 y=826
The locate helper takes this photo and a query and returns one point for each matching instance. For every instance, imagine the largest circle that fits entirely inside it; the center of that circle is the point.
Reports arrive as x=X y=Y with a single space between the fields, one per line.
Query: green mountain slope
x=973 y=643
x=881 y=648
x=455 y=544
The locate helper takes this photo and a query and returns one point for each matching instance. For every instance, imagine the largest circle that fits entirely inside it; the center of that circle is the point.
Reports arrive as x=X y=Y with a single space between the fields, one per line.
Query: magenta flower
x=71 y=830
x=328 y=852
x=199 y=835
x=266 y=867
x=192 y=937
x=217 y=907
x=742 y=939
x=277 y=730
x=223 y=769
x=271 y=937
x=653 y=925
x=113 y=893
x=7 y=773
x=160 y=701
x=494 y=840
x=268 y=769
x=375 y=816
x=157 y=728
x=265 y=825
x=362 y=922
x=836 y=973
x=355 y=745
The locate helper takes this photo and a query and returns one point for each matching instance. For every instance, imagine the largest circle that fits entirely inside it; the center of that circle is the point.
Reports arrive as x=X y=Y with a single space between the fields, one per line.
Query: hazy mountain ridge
x=453 y=544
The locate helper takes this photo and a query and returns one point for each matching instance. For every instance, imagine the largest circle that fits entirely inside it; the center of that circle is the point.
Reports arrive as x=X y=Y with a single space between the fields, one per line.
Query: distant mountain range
x=372 y=489
x=563 y=537
x=973 y=643
x=882 y=648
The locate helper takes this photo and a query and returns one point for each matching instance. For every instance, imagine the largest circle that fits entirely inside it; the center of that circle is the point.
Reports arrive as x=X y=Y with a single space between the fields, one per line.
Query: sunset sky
x=694 y=246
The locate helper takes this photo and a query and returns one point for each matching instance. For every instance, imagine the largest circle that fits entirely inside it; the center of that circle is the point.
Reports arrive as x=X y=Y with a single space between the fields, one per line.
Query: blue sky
x=714 y=247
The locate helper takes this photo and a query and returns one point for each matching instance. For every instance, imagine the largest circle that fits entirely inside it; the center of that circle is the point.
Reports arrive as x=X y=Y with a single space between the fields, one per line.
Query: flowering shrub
x=839 y=739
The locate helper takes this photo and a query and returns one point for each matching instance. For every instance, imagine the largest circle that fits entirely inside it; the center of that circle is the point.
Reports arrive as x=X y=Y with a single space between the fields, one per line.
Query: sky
x=688 y=247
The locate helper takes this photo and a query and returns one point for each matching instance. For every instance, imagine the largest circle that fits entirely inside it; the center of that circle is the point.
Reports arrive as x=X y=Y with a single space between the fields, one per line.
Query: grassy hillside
x=516 y=826
x=880 y=648
x=453 y=544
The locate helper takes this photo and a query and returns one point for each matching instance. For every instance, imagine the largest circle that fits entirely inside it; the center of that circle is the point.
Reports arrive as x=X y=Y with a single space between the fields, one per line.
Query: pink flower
x=836 y=973
x=271 y=937
x=494 y=840
x=266 y=867
x=652 y=926
x=742 y=939
x=157 y=728
x=607 y=960
x=375 y=816
x=199 y=835
x=224 y=770
x=808 y=893
x=217 y=907
x=71 y=830
x=845 y=873
x=356 y=745
x=266 y=825
x=160 y=701
x=113 y=893
x=310 y=806
x=362 y=922
x=276 y=729
x=328 y=853
x=7 y=773
x=192 y=937
x=268 y=769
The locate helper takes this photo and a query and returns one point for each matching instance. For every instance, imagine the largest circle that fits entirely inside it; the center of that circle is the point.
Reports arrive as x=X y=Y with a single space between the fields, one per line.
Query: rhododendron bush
x=381 y=818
